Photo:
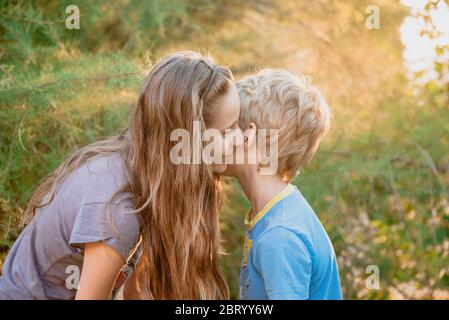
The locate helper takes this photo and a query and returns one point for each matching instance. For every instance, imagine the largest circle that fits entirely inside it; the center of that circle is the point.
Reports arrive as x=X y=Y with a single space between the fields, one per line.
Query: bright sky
x=419 y=51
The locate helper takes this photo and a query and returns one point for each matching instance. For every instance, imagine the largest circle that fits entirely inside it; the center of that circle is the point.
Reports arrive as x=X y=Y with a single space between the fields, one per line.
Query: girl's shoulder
x=98 y=180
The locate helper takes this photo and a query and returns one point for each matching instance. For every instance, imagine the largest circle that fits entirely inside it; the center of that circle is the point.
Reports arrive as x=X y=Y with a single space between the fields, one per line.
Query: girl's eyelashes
x=230 y=129
x=233 y=127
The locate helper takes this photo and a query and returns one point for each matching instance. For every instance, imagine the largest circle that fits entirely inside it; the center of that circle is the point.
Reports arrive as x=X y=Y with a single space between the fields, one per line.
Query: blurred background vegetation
x=380 y=181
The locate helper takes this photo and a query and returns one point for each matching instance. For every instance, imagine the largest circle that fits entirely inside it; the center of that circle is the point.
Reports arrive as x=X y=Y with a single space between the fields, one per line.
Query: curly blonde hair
x=278 y=99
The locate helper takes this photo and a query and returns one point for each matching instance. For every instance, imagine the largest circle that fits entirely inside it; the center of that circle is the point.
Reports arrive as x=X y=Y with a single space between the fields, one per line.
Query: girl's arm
x=101 y=266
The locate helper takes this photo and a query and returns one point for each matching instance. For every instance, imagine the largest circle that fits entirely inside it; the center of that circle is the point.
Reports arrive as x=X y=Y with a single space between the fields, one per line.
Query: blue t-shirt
x=288 y=254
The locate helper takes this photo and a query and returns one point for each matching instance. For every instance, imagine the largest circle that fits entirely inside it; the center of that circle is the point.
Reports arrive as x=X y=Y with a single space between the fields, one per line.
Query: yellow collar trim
x=281 y=195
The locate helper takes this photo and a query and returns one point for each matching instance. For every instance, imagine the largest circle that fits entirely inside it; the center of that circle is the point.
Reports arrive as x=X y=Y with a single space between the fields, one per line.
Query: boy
x=288 y=254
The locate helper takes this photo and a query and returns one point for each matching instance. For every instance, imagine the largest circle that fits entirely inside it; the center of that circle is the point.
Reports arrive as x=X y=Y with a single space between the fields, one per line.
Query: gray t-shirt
x=46 y=259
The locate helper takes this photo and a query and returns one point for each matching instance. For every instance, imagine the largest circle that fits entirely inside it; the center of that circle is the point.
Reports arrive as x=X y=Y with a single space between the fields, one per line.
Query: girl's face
x=226 y=120
x=248 y=151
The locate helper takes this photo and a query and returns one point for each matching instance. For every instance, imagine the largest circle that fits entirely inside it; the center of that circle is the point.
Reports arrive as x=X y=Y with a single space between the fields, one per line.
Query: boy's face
x=246 y=156
x=257 y=148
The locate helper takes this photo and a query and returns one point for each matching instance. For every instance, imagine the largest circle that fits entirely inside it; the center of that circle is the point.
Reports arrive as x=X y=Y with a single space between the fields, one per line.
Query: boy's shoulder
x=292 y=217
x=292 y=213
x=279 y=237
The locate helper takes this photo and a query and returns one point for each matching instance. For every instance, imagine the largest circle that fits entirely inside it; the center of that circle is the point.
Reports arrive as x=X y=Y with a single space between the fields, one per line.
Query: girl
x=85 y=218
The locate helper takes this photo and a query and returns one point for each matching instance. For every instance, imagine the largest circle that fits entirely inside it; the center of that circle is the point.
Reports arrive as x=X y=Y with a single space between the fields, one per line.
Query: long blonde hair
x=178 y=205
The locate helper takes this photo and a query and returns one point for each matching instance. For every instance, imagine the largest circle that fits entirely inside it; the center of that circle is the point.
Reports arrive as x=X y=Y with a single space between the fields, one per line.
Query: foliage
x=379 y=183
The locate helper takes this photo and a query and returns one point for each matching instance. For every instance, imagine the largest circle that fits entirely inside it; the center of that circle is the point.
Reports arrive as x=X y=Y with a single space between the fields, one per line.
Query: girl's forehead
x=227 y=110
x=230 y=105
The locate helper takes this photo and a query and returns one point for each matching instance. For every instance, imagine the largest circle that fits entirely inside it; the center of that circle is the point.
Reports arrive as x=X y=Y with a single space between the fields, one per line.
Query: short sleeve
x=284 y=261
x=112 y=224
